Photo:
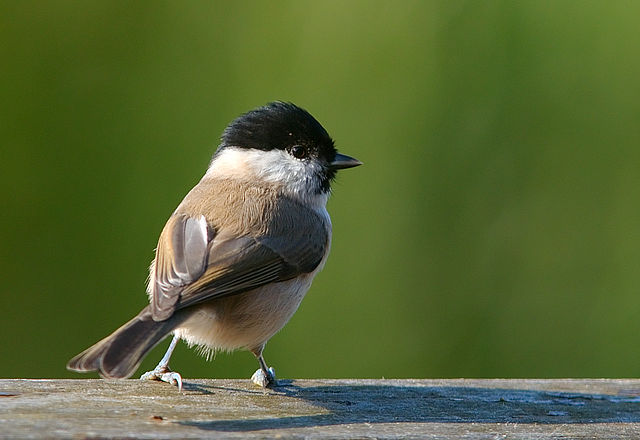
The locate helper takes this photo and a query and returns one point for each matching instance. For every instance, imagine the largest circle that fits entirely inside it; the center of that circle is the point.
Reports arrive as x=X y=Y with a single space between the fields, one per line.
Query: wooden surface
x=470 y=409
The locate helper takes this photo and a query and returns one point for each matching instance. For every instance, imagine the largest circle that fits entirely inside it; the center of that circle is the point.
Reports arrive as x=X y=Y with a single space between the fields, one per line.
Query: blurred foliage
x=493 y=231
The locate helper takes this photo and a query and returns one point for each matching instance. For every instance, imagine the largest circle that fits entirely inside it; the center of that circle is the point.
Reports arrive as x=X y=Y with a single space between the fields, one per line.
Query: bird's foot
x=164 y=374
x=263 y=379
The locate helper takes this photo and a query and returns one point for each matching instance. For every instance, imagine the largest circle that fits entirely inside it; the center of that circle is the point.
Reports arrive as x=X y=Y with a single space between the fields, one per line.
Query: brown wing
x=186 y=275
x=181 y=258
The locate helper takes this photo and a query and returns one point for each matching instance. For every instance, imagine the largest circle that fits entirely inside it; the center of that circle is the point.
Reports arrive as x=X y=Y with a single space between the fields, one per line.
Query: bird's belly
x=246 y=320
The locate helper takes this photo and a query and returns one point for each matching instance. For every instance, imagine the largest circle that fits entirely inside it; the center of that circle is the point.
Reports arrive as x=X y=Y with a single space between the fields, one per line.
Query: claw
x=165 y=375
x=265 y=380
x=173 y=378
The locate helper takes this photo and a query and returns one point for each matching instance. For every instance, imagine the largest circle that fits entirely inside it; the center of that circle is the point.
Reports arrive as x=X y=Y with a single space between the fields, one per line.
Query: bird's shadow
x=355 y=404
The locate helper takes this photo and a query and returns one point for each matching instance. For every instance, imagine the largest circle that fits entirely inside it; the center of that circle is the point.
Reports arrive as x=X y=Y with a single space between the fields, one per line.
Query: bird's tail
x=119 y=354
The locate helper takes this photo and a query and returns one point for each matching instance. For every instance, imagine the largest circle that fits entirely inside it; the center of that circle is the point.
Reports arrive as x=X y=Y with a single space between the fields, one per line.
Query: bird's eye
x=298 y=151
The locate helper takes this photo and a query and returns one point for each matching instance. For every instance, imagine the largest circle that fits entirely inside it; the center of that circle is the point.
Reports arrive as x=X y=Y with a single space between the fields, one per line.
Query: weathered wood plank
x=476 y=409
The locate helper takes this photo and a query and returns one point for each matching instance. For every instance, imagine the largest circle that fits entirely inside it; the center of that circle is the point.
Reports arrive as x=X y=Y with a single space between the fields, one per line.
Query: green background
x=494 y=230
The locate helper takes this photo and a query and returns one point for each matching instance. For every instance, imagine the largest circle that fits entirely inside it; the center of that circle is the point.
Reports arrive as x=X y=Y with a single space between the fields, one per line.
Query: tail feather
x=119 y=354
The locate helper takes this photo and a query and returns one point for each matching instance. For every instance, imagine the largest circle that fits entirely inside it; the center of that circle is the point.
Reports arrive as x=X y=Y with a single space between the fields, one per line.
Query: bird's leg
x=264 y=376
x=162 y=371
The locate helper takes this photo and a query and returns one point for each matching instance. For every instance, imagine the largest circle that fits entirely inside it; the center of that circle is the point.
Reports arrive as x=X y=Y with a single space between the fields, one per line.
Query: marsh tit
x=239 y=253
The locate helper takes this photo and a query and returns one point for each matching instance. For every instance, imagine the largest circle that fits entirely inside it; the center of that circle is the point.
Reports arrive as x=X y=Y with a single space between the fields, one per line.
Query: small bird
x=238 y=254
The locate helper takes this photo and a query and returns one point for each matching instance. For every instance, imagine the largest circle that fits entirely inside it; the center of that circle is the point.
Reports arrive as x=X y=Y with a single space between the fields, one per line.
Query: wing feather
x=181 y=258
x=193 y=264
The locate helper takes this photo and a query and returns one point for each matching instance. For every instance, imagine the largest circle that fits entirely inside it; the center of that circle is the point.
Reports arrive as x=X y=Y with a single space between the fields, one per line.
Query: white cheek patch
x=278 y=166
x=299 y=178
x=230 y=163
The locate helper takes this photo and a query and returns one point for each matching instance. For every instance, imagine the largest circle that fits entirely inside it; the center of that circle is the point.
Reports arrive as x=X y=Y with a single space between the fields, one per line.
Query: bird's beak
x=342 y=161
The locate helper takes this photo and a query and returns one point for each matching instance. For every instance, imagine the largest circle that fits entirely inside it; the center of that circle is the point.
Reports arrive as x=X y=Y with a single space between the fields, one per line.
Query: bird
x=238 y=254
